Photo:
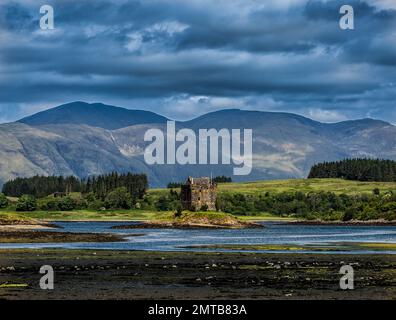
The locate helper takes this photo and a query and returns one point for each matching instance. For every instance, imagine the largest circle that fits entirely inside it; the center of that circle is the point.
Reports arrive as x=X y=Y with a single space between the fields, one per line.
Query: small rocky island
x=210 y=220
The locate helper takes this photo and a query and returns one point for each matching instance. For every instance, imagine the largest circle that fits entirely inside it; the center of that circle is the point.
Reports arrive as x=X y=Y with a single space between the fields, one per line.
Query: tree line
x=218 y=179
x=41 y=186
x=313 y=205
x=135 y=184
x=101 y=185
x=356 y=169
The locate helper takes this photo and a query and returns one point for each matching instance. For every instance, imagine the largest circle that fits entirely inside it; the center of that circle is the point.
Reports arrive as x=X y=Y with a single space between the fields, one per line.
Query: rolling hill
x=86 y=139
x=93 y=114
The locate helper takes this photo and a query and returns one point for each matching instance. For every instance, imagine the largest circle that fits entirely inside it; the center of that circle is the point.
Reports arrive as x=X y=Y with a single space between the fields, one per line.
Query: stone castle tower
x=197 y=192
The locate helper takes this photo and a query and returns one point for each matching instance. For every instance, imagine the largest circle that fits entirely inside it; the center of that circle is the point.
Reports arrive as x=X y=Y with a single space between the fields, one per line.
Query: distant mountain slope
x=78 y=150
x=284 y=145
x=236 y=118
x=95 y=115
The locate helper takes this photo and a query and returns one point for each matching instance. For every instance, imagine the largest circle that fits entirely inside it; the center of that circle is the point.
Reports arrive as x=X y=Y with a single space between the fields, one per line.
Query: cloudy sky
x=183 y=58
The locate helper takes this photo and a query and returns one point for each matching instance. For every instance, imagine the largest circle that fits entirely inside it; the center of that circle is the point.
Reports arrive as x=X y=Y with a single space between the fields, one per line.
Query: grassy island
x=207 y=219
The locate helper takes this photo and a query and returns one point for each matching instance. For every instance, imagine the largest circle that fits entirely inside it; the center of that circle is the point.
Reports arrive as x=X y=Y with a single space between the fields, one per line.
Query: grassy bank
x=93 y=215
x=10 y=218
x=121 y=215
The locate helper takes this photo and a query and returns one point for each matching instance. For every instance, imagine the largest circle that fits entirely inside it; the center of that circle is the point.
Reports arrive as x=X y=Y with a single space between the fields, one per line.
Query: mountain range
x=88 y=139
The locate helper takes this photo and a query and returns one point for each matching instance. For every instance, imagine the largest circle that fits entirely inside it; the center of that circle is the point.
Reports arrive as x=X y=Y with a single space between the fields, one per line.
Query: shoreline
x=244 y=219
x=40 y=236
x=6 y=227
x=187 y=225
x=357 y=223
x=251 y=221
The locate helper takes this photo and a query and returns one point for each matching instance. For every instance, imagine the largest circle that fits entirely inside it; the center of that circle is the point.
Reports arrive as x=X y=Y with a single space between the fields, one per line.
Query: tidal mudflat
x=106 y=274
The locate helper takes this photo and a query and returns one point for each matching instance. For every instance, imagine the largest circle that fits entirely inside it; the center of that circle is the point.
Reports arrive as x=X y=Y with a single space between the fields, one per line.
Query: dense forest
x=101 y=186
x=356 y=169
x=41 y=186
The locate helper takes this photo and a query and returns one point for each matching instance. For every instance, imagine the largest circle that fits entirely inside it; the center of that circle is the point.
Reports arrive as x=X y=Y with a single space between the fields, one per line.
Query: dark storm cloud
x=373 y=40
x=15 y=17
x=203 y=55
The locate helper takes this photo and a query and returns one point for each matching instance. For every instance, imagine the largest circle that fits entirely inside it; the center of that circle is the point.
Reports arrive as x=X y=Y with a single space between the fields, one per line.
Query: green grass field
x=337 y=186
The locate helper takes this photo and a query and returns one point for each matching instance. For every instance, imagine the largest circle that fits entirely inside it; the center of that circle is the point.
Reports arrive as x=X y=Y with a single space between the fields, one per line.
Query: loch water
x=274 y=233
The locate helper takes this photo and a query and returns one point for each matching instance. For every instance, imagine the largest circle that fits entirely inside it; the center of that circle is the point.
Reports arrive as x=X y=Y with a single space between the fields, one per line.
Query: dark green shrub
x=120 y=198
x=179 y=211
x=67 y=204
x=349 y=214
x=26 y=203
x=3 y=201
